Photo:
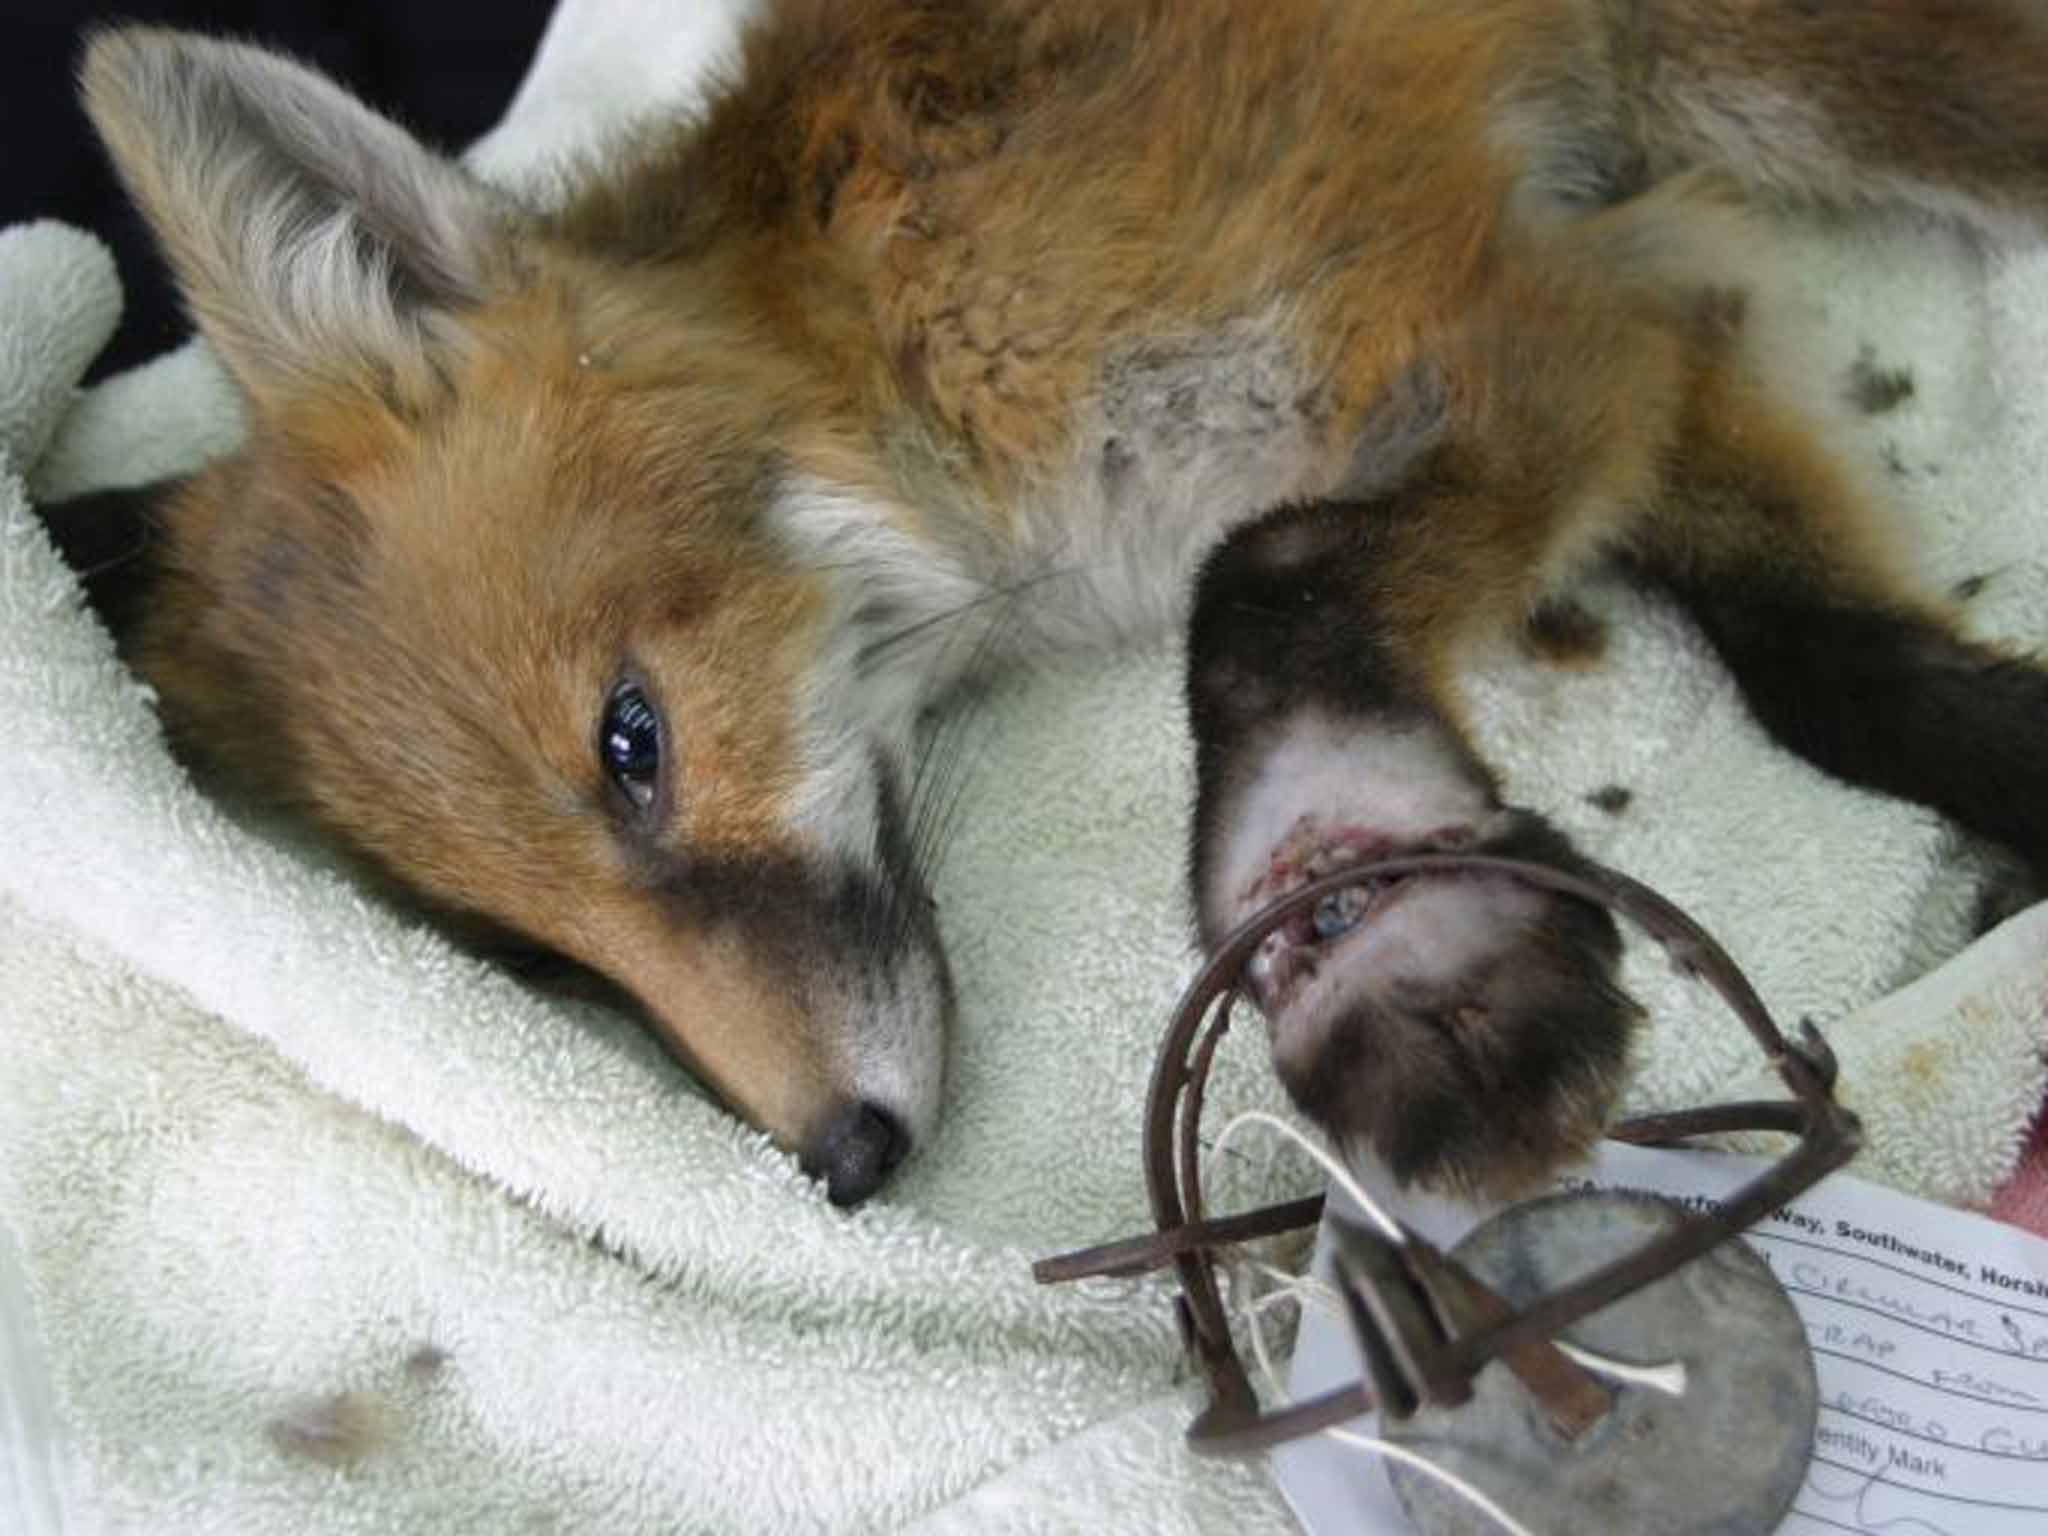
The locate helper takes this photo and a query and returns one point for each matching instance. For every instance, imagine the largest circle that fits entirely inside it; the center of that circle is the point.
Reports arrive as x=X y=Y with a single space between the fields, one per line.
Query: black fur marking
x=808 y=919
x=1283 y=623
x=1891 y=701
x=531 y=962
x=1287 y=602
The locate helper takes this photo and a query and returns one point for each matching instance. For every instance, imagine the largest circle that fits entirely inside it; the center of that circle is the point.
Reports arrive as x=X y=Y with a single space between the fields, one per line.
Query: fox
x=593 y=565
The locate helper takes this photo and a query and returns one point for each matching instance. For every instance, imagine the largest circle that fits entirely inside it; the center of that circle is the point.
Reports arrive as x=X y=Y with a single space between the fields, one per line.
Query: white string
x=1323 y=1160
x=1444 y=1475
x=1257 y=1314
x=1303 y=1290
x=1668 y=1378
x=1292 y=1289
x=1299 y=1292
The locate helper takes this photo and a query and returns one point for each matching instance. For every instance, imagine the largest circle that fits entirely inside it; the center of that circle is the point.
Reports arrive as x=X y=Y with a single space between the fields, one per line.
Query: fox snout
x=857 y=1147
x=815 y=998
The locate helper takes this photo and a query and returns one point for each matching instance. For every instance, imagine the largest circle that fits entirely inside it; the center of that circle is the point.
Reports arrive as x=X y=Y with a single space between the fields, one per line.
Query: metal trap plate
x=1725 y=1458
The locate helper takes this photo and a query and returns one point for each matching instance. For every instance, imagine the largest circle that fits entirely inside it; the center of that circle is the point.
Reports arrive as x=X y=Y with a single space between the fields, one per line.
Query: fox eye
x=629 y=744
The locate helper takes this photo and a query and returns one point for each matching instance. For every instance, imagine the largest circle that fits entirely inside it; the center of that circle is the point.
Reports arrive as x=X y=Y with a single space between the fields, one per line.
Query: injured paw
x=1463 y=1030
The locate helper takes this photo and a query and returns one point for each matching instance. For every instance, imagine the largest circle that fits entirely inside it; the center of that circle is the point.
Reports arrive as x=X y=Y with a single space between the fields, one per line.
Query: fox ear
x=314 y=241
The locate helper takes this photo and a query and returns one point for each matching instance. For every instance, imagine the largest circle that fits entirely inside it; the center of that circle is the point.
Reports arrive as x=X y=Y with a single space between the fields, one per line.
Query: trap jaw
x=1425 y=1325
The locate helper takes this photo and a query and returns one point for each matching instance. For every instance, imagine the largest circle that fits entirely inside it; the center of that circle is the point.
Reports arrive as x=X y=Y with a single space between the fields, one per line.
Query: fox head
x=504 y=591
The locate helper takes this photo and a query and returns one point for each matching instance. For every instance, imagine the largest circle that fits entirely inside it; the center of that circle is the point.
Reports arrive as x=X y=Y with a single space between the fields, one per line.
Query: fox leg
x=1466 y=1032
x=1938 y=104
x=1760 y=535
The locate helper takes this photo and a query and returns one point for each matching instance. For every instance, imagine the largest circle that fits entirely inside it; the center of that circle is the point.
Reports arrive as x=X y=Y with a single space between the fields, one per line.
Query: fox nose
x=854 y=1151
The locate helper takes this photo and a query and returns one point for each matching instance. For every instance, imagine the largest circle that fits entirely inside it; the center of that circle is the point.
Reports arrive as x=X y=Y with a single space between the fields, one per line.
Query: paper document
x=1929 y=1329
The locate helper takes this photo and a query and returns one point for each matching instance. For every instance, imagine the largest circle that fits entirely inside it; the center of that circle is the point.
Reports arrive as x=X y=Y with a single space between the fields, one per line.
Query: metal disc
x=1725 y=1458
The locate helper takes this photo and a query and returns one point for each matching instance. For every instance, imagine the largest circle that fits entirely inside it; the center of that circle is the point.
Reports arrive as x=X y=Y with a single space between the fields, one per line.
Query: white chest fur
x=1185 y=439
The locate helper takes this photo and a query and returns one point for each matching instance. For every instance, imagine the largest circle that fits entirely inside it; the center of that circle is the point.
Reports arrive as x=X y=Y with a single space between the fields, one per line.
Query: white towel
x=318 y=1226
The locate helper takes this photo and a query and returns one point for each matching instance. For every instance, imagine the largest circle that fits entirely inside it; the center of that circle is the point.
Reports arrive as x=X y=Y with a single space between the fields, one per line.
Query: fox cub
x=588 y=568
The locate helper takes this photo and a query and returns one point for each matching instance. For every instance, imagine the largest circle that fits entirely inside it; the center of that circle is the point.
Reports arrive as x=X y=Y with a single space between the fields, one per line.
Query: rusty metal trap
x=1426 y=1323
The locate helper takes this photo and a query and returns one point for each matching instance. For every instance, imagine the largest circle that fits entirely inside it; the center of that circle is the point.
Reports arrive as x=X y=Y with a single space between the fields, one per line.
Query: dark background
x=445 y=68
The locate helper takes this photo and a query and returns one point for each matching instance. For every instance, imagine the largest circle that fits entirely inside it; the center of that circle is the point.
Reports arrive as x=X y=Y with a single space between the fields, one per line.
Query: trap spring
x=1425 y=1325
